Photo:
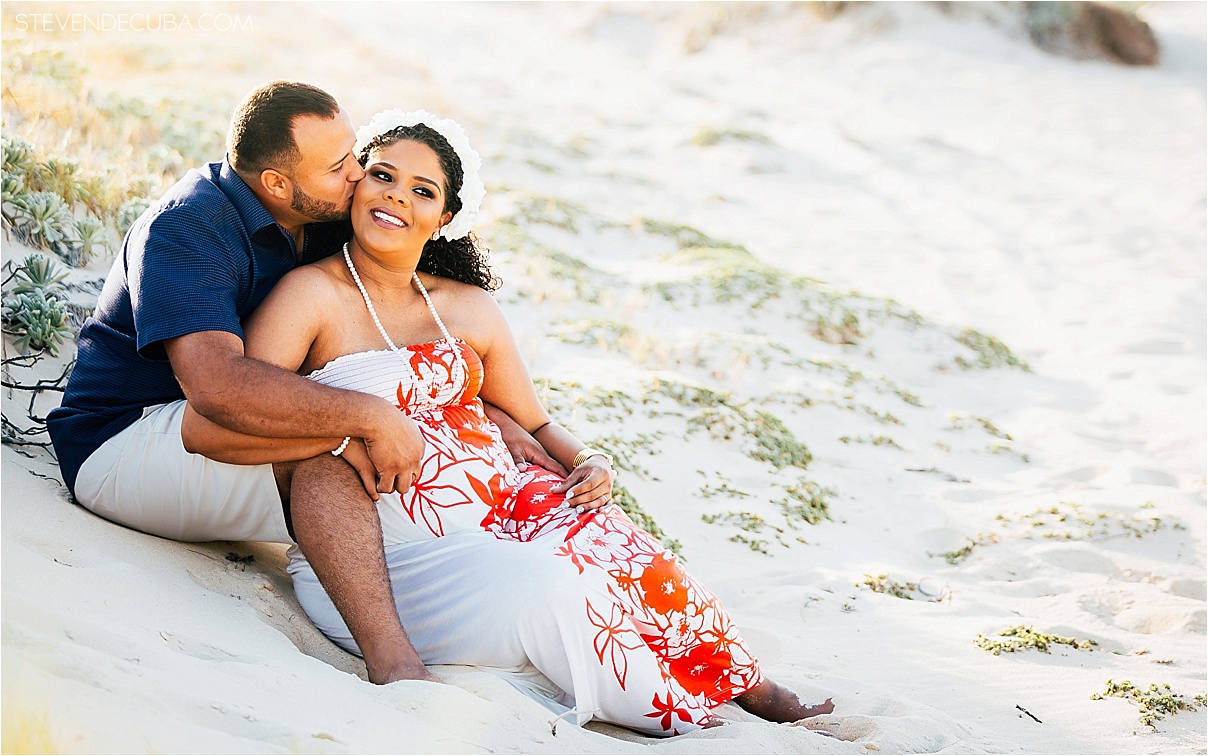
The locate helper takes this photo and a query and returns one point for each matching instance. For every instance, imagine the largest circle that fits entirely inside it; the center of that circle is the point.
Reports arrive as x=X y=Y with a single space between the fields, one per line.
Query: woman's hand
x=589 y=486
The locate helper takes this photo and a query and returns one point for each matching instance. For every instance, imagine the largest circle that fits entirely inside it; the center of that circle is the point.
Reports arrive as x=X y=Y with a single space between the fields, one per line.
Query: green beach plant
x=128 y=213
x=749 y=525
x=708 y=137
x=36 y=313
x=89 y=237
x=38 y=321
x=1066 y=521
x=1153 y=703
x=58 y=175
x=20 y=157
x=805 y=501
x=43 y=220
x=878 y=440
x=882 y=583
x=989 y=351
x=1020 y=638
x=14 y=193
x=40 y=272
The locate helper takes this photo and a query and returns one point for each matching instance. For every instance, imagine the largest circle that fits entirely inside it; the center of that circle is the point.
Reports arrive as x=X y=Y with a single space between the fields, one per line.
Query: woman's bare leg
x=771 y=701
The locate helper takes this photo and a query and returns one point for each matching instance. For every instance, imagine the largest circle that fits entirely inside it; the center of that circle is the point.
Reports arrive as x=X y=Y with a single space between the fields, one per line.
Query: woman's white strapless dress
x=489 y=567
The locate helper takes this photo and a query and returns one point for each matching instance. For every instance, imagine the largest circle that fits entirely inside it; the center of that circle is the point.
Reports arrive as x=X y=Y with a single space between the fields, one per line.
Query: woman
x=492 y=564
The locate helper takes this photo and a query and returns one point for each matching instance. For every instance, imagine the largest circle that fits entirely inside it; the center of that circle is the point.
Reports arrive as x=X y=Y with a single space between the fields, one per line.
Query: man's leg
x=337 y=527
x=144 y=478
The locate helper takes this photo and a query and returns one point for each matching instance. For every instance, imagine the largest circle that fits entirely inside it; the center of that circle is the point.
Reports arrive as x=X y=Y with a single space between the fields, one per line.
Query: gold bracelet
x=587 y=453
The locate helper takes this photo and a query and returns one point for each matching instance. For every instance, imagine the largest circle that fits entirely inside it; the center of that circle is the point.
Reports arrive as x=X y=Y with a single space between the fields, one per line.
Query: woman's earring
x=436 y=234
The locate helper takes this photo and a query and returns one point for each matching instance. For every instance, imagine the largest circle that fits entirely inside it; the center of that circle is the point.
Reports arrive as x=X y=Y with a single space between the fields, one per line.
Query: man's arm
x=204 y=436
x=209 y=439
x=256 y=398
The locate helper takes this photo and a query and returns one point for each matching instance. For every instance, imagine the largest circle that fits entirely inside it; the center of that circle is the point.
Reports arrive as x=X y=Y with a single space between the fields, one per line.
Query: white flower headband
x=472 y=190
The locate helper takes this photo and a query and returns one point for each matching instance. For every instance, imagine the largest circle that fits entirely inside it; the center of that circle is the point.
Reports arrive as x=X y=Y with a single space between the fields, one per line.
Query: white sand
x=937 y=159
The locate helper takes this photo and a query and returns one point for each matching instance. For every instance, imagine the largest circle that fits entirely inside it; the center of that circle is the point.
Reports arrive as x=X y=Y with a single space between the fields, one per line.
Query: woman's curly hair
x=463 y=259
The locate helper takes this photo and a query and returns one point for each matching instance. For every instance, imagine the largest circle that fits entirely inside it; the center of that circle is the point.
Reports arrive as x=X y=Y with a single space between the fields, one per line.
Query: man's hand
x=524 y=447
x=396 y=451
x=358 y=456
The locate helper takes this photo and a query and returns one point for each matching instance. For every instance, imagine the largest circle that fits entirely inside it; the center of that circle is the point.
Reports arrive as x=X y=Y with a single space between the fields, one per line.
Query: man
x=166 y=335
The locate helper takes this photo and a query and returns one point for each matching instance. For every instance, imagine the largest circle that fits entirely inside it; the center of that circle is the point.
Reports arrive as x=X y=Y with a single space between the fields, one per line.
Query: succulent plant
x=14 y=187
x=129 y=212
x=14 y=192
x=38 y=321
x=101 y=192
x=40 y=272
x=44 y=219
x=89 y=235
x=58 y=175
x=19 y=156
x=37 y=312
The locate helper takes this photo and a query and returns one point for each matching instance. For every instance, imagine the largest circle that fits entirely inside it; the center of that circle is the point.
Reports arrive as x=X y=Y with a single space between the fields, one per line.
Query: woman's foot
x=776 y=703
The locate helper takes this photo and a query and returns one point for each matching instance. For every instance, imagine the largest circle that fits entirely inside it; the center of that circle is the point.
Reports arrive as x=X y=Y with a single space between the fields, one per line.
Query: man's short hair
x=261 y=134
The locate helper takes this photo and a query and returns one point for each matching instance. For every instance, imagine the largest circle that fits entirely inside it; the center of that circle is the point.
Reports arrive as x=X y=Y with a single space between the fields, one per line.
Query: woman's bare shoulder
x=468 y=311
x=457 y=293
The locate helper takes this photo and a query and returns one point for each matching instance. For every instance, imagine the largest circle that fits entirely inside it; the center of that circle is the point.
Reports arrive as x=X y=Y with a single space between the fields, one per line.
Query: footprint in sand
x=1153 y=477
x=918 y=731
x=886 y=722
x=1080 y=475
x=1155 y=346
x=1146 y=617
x=1078 y=559
x=1146 y=621
x=942 y=540
x=1188 y=588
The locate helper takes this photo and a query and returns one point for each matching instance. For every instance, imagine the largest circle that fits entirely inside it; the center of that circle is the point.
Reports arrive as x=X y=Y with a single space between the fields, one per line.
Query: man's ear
x=277 y=184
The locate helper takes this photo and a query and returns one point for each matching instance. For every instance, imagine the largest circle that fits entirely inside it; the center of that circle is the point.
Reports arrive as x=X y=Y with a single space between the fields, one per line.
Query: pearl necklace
x=377 y=322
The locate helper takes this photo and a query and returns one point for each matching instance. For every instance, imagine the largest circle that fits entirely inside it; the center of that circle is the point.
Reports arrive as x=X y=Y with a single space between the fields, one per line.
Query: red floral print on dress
x=663 y=584
x=668 y=710
x=697 y=669
x=614 y=638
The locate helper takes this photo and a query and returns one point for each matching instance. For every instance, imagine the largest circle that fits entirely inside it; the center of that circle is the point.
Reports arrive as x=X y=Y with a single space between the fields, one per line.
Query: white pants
x=144 y=479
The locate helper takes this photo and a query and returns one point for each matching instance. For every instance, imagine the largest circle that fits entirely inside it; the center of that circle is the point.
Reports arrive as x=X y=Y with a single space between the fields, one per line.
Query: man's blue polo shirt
x=201 y=259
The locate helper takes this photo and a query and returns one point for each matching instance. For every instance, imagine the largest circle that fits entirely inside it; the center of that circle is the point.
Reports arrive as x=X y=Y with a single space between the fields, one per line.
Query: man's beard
x=317 y=210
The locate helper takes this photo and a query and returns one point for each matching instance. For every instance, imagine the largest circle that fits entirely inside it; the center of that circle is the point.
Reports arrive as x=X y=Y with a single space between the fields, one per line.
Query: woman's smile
x=386 y=219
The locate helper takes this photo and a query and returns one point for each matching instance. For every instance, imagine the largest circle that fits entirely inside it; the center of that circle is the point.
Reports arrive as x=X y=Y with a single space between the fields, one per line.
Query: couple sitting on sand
x=258 y=370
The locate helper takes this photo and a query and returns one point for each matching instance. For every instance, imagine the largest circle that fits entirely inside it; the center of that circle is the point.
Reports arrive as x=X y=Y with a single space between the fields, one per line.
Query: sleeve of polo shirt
x=186 y=280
